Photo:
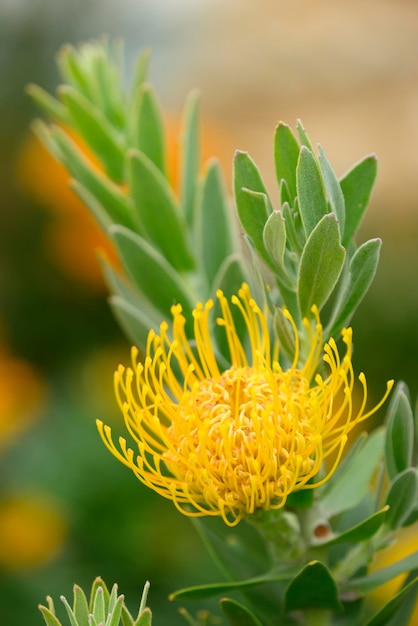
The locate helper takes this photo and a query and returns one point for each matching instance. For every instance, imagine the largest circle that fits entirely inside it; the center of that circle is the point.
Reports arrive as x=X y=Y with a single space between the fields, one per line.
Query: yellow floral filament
x=230 y=442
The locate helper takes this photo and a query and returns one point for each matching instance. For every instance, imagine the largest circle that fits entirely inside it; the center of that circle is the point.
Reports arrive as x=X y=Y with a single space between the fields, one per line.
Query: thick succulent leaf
x=286 y=154
x=148 y=135
x=49 y=617
x=402 y=498
x=355 y=284
x=144 y=619
x=251 y=197
x=253 y=214
x=345 y=490
x=311 y=193
x=70 y=612
x=333 y=188
x=99 y=606
x=190 y=157
x=100 y=135
x=127 y=619
x=147 y=268
x=362 y=531
x=399 y=433
x=157 y=211
x=81 y=607
x=357 y=187
x=214 y=240
x=398 y=611
x=116 y=612
x=320 y=265
x=365 y=584
x=50 y=105
x=132 y=320
x=303 y=137
x=115 y=203
x=237 y=614
x=312 y=588
x=274 y=237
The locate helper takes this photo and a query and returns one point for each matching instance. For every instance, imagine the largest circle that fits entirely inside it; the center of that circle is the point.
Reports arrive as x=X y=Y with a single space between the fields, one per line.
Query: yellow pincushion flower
x=231 y=441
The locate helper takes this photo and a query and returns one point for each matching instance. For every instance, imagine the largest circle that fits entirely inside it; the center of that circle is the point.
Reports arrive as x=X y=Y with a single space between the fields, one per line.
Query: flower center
x=244 y=438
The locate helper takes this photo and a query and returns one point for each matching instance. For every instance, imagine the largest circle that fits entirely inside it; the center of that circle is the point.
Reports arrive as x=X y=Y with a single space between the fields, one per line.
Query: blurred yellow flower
x=229 y=442
x=31 y=532
x=406 y=543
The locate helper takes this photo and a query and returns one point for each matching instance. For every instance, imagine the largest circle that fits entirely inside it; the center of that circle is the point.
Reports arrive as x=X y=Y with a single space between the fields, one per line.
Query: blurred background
x=68 y=510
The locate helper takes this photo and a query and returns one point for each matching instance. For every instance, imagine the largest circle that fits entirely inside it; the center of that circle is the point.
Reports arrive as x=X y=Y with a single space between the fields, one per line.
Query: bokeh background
x=68 y=510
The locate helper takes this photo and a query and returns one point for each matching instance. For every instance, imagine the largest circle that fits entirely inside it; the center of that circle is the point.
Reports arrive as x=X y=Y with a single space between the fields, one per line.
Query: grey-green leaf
x=133 y=322
x=333 y=188
x=400 y=432
x=92 y=125
x=402 y=498
x=311 y=193
x=148 y=268
x=313 y=588
x=157 y=211
x=274 y=237
x=365 y=584
x=286 y=154
x=190 y=157
x=50 y=618
x=355 y=284
x=321 y=264
x=148 y=136
x=214 y=239
x=81 y=607
x=350 y=486
x=357 y=187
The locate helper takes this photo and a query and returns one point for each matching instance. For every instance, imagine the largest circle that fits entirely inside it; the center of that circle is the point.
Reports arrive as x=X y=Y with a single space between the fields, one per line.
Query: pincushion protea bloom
x=229 y=442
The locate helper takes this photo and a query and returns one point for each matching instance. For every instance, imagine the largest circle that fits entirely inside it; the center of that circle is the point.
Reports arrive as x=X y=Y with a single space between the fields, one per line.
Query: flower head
x=231 y=441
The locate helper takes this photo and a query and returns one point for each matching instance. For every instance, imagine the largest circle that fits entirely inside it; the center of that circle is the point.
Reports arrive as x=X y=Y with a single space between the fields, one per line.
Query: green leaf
x=295 y=237
x=70 y=611
x=95 y=129
x=49 y=617
x=355 y=284
x=362 y=531
x=149 y=128
x=116 y=612
x=313 y=588
x=148 y=268
x=140 y=73
x=333 y=188
x=303 y=137
x=48 y=103
x=402 y=498
x=253 y=216
x=133 y=322
x=286 y=154
x=237 y=614
x=365 y=584
x=109 y=197
x=284 y=332
x=99 y=610
x=397 y=612
x=357 y=187
x=81 y=607
x=399 y=433
x=252 y=200
x=127 y=619
x=311 y=193
x=200 y=592
x=213 y=239
x=274 y=237
x=320 y=265
x=347 y=489
x=190 y=157
x=157 y=211
x=144 y=619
